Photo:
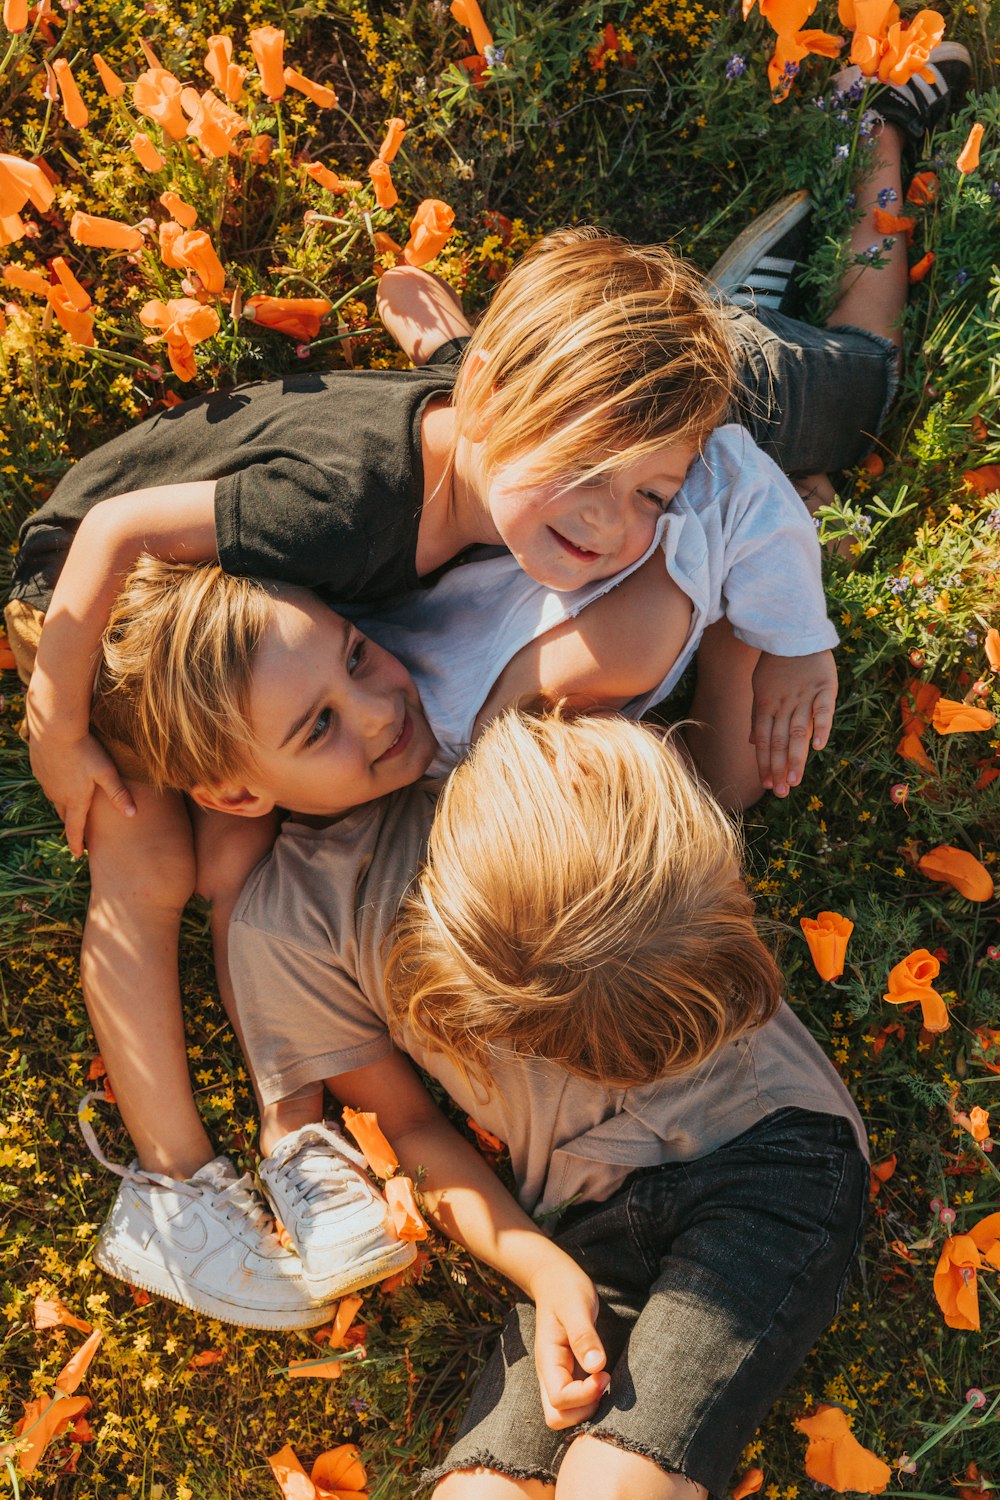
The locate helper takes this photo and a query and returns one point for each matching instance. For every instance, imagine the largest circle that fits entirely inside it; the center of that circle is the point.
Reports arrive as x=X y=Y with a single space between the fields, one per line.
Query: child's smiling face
x=337 y=721
x=568 y=532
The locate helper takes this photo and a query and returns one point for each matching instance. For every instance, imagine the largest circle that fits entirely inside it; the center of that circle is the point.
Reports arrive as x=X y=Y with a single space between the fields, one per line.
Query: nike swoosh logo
x=187 y=1231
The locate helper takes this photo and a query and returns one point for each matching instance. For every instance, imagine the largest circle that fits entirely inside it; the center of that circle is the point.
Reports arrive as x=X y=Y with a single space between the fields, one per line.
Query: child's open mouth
x=583 y=553
x=401 y=741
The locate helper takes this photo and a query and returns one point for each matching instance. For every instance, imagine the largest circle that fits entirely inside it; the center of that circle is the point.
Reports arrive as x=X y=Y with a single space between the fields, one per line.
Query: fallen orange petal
x=293 y=1481
x=959 y=869
x=923 y=189
x=206 y=1357
x=346 y=1313
x=408 y=1275
x=77 y=1365
x=887 y=223
x=403 y=1210
x=52 y=1312
x=985 y=481
x=835 y=1457
x=314 y=1369
x=379 y=1155
x=751 y=1482
x=968 y=157
x=43 y=1420
x=952 y=717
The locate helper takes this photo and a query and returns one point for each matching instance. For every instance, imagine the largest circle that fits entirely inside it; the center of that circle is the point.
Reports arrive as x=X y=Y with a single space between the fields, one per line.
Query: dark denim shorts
x=813 y=398
x=716 y=1277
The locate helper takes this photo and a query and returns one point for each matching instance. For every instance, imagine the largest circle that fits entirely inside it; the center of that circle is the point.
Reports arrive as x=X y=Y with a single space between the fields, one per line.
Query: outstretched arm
x=420 y=311
x=175 y=522
x=470 y=1205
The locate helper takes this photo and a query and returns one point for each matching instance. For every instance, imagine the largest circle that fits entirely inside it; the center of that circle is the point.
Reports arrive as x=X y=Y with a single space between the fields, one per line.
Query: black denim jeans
x=716 y=1277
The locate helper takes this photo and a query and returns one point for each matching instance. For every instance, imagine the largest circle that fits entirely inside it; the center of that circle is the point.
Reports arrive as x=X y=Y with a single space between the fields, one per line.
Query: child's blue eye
x=357 y=654
x=320 y=727
x=661 y=501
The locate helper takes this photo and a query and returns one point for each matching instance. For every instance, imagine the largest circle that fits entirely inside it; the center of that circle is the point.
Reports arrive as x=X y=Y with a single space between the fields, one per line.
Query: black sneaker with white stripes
x=758 y=270
x=918 y=106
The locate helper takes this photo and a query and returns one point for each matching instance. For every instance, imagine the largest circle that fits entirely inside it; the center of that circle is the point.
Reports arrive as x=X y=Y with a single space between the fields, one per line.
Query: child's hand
x=793 y=698
x=70 y=772
x=569 y=1356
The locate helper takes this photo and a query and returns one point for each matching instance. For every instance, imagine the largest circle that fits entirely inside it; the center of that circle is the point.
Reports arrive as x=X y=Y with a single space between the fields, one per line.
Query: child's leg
x=595 y=1468
x=486 y=1484
x=874 y=297
x=718 y=735
x=142 y=873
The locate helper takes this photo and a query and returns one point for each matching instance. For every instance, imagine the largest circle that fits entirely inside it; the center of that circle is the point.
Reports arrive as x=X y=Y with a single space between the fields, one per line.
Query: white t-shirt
x=737 y=540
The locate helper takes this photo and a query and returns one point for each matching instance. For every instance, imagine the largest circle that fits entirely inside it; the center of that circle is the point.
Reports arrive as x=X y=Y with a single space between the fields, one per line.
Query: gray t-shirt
x=307 y=946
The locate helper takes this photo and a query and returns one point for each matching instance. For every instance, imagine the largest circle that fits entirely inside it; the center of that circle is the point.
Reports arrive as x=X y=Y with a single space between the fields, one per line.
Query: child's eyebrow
x=304 y=718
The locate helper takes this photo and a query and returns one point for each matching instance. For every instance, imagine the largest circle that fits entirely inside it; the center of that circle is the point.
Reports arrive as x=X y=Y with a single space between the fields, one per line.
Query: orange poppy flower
x=869 y=20
x=827 y=937
x=992 y=645
x=968 y=157
x=51 y=1312
x=468 y=14
x=920 y=269
x=750 y=1483
x=183 y=323
x=15 y=15
x=952 y=717
x=212 y=123
x=145 y=152
x=907 y=48
x=395 y=131
x=227 y=75
x=73 y=106
x=917 y=704
x=379 y=1155
x=408 y=1275
x=887 y=223
x=881 y=1173
x=149 y=54
x=114 y=86
x=978 y=1488
x=488 y=1143
x=835 y=1457
x=430 y=229
x=330 y=180
x=337 y=1474
x=170 y=233
x=385 y=245
x=923 y=189
x=195 y=251
x=955 y=1281
x=78 y=324
x=104 y=234
x=910 y=980
x=259 y=149
x=959 y=869
x=21 y=181
x=43 y=1420
x=976 y=1122
x=789 y=50
x=157 y=95
x=317 y=92
x=324 y=1368
x=267 y=43
x=985 y=481
x=299 y=317
x=78 y=295
x=385 y=194
x=185 y=215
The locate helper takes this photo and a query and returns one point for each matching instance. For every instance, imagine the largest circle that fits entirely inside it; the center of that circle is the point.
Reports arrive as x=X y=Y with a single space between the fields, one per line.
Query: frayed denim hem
x=470 y=1462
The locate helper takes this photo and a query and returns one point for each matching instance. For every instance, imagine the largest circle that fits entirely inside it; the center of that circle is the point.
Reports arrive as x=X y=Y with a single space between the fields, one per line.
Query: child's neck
x=454 y=514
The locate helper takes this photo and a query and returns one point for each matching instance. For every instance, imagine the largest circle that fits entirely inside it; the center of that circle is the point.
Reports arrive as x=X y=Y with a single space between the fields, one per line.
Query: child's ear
x=230 y=798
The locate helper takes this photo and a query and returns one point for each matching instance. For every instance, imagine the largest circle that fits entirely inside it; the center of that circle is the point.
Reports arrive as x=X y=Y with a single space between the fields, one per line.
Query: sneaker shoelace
x=237 y=1198
x=318 y=1175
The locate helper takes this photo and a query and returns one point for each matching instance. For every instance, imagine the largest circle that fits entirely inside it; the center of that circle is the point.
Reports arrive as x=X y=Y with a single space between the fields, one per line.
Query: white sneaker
x=335 y=1216
x=206 y=1242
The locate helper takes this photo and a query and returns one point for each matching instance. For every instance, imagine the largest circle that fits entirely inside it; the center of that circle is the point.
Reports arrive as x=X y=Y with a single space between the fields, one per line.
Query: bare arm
x=175 y=522
x=420 y=311
x=618 y=648
x=470 y=1205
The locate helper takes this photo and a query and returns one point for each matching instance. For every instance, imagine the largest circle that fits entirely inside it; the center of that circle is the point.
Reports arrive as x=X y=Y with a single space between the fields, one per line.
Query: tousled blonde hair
x=173 y=686
x=593 y=354
x=581 y=901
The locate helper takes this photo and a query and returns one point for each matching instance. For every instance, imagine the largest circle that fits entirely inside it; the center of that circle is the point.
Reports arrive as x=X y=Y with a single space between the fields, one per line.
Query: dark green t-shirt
x=319 y=479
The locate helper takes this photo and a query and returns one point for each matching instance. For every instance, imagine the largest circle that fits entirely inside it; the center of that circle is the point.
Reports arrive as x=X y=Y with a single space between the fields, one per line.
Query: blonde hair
x=173 y=686
x=581 y=901
x=593 y=353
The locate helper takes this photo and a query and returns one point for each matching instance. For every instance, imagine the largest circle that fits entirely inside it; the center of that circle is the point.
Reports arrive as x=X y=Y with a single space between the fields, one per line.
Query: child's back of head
x=581 y=901
x=595 y=349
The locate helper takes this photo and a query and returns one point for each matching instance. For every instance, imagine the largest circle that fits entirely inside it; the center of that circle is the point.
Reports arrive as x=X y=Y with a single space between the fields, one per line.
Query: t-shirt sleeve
x=303 y=1018
x=773 y=590
x=292 y=520
x=449 y=354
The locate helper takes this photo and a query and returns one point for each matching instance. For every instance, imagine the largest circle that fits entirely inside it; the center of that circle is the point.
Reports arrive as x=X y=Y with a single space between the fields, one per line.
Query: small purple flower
x=736 y=66
x=971 y=638
x=494 y=57
x=841 y=152
x=993 y=519
x=357 y=1404
x=851 y=200
x=820 y=102
x=899 y=586
x=994 y=190
x=961 y=276
x=857 y=88
x=886 y=196
x=842 y=116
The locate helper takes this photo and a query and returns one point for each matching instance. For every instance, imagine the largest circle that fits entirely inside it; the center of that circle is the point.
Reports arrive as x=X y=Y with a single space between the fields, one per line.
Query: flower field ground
x=657 y=120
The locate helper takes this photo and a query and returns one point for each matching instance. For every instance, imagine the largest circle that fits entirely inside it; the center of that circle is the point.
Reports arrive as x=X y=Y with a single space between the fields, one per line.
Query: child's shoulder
x=731 y=468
